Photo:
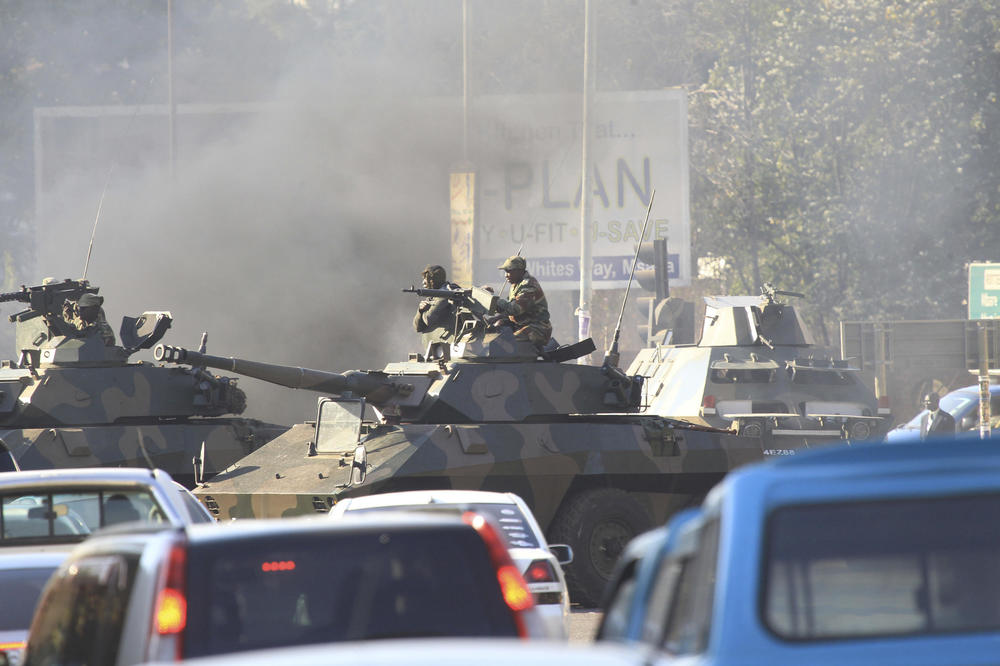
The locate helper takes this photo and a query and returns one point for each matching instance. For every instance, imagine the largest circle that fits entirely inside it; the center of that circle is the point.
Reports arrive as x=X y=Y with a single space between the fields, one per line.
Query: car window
x=661 y=600
x=268 y=592
x=822 y=377
x=21 y=590
x=513 y=527
x=958 y=403
x=614 y=624
x=73 y=514
x=80 y=618
x=196 y=510
x=688 y=625
x=741 y=376
x=865 y=569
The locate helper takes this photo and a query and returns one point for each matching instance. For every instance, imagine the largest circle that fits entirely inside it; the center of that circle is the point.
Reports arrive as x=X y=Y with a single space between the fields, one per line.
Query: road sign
x=984 y=291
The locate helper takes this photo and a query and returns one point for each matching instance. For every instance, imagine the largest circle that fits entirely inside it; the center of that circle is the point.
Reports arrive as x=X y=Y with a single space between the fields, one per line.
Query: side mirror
x=563 y=553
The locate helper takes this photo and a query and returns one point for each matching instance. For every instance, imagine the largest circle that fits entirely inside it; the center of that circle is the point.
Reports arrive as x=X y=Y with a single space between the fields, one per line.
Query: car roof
x=237 y=529
x=934 y=466
x=432 y=652
x=33 y=557
x=410 y=497
x=83 y=476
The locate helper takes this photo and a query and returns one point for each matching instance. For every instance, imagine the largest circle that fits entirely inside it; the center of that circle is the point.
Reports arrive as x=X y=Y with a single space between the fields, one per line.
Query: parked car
x=539 y=562
x=864 y=554
x=962 y=404
x=431 y=652
x=129 y=596
x=45 y=513
x=23 y=573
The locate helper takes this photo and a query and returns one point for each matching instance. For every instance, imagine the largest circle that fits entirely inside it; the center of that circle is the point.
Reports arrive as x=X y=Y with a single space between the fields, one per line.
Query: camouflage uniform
x=435 y=312
x=99 y=325
x=527 y=308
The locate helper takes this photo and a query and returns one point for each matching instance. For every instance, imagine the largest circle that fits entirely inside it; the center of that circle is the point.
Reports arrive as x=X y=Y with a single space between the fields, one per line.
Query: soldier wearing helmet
x=527 y=310
x=936 y=421
x=87 y=316
x=435 y=312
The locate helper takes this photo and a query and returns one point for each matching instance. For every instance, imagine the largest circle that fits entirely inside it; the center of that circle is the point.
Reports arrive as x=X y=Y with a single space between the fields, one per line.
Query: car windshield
x=514 y=527
x=863 y=569
x=21 y=591
x=72 y=515
x=270 y=592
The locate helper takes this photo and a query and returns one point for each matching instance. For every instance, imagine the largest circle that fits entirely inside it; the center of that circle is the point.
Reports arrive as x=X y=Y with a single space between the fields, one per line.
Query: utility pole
x=171 y=104
x=586 y=250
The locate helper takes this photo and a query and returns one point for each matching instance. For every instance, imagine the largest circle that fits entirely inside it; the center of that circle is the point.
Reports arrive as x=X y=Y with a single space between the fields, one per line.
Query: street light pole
x=586 y=251
x=171 y=105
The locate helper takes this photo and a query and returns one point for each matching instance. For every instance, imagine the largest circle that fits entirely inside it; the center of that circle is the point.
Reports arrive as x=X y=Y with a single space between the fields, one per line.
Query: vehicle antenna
x=93 y=232
x=612 y=357
x=107 y=181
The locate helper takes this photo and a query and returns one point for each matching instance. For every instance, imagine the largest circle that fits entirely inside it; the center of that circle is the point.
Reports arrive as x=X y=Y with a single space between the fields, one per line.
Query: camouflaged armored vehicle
x=757 y=369
x=73 y=400
x=479 y=410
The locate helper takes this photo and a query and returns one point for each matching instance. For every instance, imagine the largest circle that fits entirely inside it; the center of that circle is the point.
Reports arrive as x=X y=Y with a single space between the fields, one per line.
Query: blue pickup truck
x=865 y=554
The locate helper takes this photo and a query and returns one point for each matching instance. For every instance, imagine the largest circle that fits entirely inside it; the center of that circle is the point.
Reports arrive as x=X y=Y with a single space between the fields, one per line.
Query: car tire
x=597 y=524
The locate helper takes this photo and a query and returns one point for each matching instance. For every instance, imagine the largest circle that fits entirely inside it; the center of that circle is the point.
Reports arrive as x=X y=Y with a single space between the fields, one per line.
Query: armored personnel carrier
x=757 y=369
x=73 y=399
x=479 y=409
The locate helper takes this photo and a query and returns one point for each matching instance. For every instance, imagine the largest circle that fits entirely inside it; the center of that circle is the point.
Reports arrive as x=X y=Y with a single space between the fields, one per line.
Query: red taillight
x=515 y=591
x=883 y=402
x=278 y=565
x=540 y=571
x=171 y=612
x=171 y=602
x=708 y=401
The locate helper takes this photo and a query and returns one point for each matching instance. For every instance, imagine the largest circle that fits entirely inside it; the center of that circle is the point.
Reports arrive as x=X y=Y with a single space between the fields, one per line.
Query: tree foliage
x=848 y=149
x=844 y=148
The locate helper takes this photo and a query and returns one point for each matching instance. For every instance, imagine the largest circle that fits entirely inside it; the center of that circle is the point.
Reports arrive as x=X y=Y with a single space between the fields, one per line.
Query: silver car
x=132 y=595
x=45 y=513
x=539 y=562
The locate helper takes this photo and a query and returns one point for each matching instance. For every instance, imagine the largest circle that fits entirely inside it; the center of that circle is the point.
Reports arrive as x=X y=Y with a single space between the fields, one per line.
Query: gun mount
x=71 y=399
x=757 y=368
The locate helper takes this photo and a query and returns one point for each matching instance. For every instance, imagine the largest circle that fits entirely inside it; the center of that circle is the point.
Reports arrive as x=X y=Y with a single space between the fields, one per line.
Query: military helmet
x=435 y=274
x=514 y=263
x=89 y=300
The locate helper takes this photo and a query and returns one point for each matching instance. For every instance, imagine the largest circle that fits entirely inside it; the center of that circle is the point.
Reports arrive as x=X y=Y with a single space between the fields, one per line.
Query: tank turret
x=758 y=369
x=72 y=397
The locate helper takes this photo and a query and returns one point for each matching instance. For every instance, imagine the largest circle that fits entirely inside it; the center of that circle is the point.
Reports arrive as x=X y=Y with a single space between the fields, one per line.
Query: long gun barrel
x=451 y=294
x=376 y=387
x=23 y=296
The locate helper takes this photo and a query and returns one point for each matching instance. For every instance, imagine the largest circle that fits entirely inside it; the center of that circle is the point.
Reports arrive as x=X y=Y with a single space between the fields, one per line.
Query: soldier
x=527 y=309
x=434 y=312
x=936 y=421
x=87 y=316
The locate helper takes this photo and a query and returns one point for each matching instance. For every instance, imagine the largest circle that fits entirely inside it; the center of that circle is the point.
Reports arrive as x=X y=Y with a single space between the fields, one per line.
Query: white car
x=431 y=652
x=539 y=562
x=45 y=513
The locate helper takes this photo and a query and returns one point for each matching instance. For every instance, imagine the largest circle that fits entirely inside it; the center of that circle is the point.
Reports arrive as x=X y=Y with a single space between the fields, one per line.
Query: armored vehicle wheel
x=596 y=524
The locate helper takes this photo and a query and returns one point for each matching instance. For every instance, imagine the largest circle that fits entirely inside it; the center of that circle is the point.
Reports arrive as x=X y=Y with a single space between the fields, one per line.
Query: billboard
x=528 y=154
x=984 y=291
